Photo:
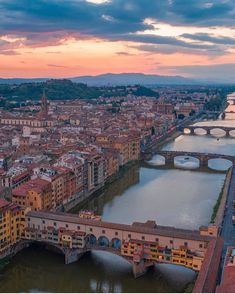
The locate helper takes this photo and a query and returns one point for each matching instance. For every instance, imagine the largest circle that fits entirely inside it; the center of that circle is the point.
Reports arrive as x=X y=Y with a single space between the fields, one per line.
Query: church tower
x=44 y=105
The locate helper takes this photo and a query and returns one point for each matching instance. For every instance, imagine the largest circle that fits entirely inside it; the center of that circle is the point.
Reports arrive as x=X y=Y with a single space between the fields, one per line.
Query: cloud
x=8 y=52
x=57 y=65
x=203 y=13
x=124 y=53
x=7 y=48
x=48 y=23
x=208 y=38
x=70 y=15
x=156 y=39
x=172 y=49
x=53 y=52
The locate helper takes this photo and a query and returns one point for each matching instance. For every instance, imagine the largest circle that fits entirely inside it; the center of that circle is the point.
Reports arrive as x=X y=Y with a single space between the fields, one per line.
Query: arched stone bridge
x=141 y=244
x=202 y=157
x=208 y=129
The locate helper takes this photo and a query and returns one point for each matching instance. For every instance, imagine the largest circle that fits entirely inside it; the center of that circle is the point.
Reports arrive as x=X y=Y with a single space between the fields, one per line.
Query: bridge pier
x=227 y=133
x=72 y=255
x=192 y=132
x=169 y=160
x=203 y=162
x=140 y=268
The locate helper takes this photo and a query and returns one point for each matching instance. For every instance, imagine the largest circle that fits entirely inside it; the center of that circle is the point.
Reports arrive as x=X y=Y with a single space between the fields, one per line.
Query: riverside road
x=228 y=229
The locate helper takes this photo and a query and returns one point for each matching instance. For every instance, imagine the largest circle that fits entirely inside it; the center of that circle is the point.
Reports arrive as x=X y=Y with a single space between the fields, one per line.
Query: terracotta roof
x=36 y=185
x=4 y=203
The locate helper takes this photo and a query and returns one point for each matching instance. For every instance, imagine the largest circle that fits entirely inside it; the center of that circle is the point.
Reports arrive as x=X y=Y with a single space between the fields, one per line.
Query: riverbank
x=220 y=206
x=145 y=155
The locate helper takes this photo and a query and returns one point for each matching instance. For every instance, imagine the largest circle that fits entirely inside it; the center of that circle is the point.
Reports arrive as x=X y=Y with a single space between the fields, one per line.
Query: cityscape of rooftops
x=117 y=146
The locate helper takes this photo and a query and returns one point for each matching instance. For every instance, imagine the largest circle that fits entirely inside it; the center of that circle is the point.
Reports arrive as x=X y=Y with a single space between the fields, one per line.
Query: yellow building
x=36 y=194
x=133 y=147
x=12 y=224
x=152 y=251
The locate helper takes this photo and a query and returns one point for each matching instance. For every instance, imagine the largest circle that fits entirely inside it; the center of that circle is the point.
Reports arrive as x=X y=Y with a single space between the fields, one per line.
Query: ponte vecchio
x=141 y=244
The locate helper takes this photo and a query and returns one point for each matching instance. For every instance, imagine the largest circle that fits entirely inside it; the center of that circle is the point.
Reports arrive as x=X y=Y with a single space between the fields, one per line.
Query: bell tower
x=44 y=104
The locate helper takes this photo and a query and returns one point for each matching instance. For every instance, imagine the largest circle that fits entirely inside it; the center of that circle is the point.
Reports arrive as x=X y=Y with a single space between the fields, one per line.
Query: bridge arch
x=91 y=239
x=219 y=163
x=116 y=243
x=218 y=132
x=187 y=131
x=103 y=241
x=187 y=162
x=232 y=133
x=200 y=131
x=157 y=160
x=47 y=245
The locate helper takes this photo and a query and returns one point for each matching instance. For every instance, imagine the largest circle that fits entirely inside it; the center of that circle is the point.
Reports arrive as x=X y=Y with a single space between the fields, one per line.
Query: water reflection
x=171 y=197
x=200 y=131
x=186 y=162
x=218 y=132
x=219 y=164
x=37 y=270
x=157 y=160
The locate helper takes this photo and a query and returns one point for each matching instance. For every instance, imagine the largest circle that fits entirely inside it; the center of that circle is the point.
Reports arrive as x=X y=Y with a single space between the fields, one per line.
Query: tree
x=192 y=112
x=153 y=132
x=181 y=116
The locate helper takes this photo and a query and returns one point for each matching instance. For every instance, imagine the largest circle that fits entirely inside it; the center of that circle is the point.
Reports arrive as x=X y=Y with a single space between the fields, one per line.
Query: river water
x=177 y=197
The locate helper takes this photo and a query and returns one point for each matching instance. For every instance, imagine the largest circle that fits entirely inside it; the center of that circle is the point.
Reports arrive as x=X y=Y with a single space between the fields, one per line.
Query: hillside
x=110 y=79
x=66 y=90
x=132 y=79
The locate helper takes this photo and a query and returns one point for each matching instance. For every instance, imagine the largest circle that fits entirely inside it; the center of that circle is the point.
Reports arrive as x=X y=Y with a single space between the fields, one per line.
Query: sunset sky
x=66 y=38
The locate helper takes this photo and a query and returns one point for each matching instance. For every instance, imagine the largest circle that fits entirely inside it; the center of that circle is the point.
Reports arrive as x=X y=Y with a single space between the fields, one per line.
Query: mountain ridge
x=109 y=79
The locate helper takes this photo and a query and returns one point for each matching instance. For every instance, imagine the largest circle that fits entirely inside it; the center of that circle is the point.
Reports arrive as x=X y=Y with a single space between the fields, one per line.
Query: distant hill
x=132 y=79
x=67 y=90
x=22 y=80
x=110 y=79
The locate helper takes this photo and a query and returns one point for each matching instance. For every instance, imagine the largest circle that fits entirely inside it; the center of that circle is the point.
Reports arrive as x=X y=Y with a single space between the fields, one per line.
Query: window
x=43 y=222
x=78 y=227
x=116 y=233
x=28 y=219
x=200 y=245
x=171 y=241
x=185 y=243
x=66 y=225
x=55 y=224
x=91 y=230
x=143 y=237
x=156 y=239
x=103 y=231
x=129 y=235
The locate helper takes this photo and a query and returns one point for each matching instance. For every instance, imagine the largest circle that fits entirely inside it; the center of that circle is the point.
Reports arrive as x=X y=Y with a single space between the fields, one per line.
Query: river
x=177 y=197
